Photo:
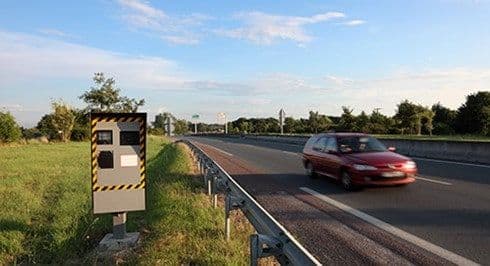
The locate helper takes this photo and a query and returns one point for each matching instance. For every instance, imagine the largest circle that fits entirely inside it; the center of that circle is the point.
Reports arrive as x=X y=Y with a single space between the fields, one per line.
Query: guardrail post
x=210 y=185
x=215 y=191
x=231 y=203
x=199 y=163
x=262 y=246
x=273 y=239
x=207 y=177
x=204 y=173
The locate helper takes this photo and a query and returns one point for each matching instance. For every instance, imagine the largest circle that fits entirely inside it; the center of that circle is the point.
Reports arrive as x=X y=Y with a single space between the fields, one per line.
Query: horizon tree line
x=65 y=123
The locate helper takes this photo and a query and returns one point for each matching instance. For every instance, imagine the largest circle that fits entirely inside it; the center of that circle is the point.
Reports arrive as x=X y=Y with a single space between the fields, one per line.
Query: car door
x=330 y=159
x=318 y=154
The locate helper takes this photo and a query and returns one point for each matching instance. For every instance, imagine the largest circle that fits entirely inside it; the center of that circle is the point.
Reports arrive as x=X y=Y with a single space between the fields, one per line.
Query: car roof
x=341 y=134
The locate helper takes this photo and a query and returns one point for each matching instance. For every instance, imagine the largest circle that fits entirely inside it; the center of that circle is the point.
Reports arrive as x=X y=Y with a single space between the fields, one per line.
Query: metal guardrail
x=271 y=239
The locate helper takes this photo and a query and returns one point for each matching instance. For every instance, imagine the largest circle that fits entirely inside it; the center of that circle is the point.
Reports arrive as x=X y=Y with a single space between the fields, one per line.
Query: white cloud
x=140 y=15
x=44 y=62
x=55 y=33
x=355 y=22
x=28 y=57
x=180 y=39
x=338 y=81
x=142 y=9
x=11 y=106
x=263 y=28
x=426 y=87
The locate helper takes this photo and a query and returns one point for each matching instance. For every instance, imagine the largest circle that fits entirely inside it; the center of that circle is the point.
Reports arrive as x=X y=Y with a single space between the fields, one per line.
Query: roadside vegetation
x=471 y=121
x=45 y=214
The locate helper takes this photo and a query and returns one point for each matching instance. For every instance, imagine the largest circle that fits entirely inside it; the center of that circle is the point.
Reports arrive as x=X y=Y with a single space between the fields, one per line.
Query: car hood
x=376 y=158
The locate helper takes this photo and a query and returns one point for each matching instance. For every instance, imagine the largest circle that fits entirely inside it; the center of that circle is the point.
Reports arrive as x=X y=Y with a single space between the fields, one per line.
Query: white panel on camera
x=129 y=160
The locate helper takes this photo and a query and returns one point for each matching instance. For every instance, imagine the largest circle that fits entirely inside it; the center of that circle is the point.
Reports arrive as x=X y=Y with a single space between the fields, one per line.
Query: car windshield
x=357 y=144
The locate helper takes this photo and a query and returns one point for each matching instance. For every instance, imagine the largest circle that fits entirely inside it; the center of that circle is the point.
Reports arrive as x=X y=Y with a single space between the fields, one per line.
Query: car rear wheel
x=310 y=172
x=346 y=182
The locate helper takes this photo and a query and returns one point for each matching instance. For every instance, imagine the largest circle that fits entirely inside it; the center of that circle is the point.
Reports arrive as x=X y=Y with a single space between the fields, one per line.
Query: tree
x=347 y=120
x=104 y=97
x=473 y=116
x=181 y=127
x=406 y=116
x=9 y=130
x=272 y=125
x=324 y=123
x=81 y=128
x=444 y=119
x=63 y=120
x=161 y=122
x=414 y=117
x=313 y=122
x=317 y=123
x=379 y=123
x=428 y=117
x=362 y=122
x=46 y=128
x=241 y=124
x=30 y=133
x=290 y=125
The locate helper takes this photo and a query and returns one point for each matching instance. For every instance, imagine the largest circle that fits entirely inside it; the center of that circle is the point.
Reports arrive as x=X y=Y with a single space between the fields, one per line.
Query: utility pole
x=282 y=115
x=195 y=117
x=222 y=117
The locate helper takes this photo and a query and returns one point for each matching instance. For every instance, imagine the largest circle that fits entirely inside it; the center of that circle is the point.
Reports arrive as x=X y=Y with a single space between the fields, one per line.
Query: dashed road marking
x=444 y=253
x=433 y=181
x=292 y=153
x=220 y=150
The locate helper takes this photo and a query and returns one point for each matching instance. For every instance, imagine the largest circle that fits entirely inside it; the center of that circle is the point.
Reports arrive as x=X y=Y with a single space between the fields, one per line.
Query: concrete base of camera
x=111 y=244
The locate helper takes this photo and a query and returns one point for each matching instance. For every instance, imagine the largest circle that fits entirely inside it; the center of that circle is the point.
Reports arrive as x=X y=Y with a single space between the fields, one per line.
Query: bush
x=156 y=131
x=31 y=133
x=80 y=133
x=45 y=127
x=9 y=130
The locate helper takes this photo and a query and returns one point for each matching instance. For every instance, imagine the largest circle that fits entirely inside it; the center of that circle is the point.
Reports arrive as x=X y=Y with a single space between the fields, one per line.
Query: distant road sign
x=282 y=115
x=196 y=116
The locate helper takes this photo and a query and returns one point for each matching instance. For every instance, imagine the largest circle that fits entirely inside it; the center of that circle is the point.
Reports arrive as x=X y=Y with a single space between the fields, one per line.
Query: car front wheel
x=310 y=172
x=346 y=181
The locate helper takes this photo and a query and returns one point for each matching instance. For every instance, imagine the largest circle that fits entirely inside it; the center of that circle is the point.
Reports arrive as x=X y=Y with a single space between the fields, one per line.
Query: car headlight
x=410 y=165
x=364 y=167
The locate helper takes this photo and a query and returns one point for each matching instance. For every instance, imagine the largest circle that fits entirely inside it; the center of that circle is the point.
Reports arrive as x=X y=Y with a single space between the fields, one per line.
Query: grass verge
x=181 y=227
x=45 y=214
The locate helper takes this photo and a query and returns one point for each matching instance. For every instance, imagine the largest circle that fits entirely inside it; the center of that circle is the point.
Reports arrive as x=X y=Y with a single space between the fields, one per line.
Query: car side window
x=311 y=141
x=331 y=144
x=319 y=144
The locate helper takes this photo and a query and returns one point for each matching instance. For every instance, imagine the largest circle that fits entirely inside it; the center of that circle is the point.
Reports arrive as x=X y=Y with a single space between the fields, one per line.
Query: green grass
x=183 y=227
x=45 y=214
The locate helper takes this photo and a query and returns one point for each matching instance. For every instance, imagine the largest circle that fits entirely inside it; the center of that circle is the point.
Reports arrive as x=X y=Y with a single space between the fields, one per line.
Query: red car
x=356 y=159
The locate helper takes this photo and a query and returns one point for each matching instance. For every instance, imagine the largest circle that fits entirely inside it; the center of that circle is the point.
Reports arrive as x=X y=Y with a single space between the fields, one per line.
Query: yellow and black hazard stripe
x=142 y=182
x=142 y=154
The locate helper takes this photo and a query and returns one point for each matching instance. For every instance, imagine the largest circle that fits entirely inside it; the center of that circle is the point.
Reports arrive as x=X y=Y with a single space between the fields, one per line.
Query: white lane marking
x=293 y=153
x=444 y=161
x=444 y=253
x=220 y=150
x=433 y=181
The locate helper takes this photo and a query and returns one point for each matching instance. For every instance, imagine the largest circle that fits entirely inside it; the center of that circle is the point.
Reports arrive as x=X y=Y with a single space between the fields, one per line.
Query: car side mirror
x=393 y=149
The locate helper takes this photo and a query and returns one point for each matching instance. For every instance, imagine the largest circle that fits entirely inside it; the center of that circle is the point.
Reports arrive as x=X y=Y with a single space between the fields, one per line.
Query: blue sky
x=244 y=58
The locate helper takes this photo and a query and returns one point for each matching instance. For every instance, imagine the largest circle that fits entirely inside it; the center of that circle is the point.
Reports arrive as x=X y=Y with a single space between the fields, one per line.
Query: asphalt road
x=449 y=205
